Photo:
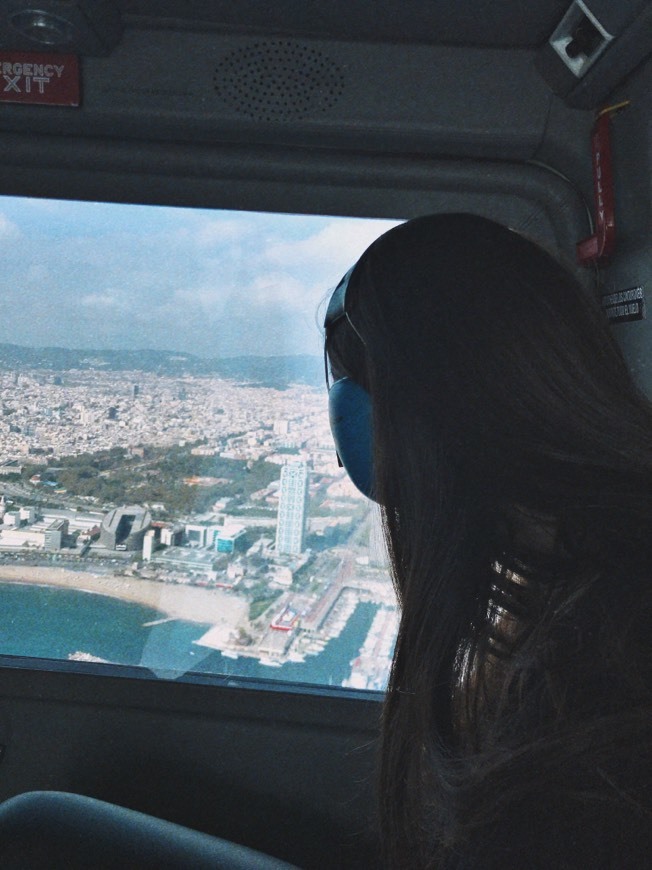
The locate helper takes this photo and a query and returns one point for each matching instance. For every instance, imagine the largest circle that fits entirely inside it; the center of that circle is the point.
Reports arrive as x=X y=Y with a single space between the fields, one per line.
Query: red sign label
x=38 y=78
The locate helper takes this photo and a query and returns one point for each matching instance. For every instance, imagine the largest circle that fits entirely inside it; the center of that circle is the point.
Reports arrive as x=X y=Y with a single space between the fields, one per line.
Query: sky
x=212 y=283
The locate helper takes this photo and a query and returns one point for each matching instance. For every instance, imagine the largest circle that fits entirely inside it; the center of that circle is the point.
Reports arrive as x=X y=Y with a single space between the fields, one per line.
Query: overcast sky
x=97 y=275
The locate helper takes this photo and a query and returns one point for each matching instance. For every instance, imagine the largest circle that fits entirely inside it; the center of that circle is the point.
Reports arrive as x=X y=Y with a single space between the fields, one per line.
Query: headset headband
x=337 y=304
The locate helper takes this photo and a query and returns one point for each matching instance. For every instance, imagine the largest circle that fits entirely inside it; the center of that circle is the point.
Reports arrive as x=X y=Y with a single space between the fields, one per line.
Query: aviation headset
x=349 y=406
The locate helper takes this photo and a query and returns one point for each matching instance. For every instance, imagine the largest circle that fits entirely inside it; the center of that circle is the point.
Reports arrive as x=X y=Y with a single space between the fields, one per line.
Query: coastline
x=189 y=603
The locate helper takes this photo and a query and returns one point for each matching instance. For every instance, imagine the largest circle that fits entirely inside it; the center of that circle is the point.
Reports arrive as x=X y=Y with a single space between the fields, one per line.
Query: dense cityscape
x=149 y=486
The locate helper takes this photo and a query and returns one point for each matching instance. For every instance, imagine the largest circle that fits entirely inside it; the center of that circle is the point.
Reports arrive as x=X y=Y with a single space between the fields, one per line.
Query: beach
x=191 y=603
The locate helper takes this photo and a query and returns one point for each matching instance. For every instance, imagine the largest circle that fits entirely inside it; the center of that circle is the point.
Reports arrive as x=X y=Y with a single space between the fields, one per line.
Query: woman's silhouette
x=511 y=454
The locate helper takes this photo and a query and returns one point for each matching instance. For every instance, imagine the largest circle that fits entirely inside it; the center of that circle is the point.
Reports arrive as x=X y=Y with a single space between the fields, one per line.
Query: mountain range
x=261 y=371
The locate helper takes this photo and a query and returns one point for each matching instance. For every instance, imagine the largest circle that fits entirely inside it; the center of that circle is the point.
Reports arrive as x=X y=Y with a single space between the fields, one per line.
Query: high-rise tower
x=292 y=509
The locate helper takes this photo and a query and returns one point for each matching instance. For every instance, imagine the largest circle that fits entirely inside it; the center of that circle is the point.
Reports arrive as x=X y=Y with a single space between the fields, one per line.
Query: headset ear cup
x=349 y=408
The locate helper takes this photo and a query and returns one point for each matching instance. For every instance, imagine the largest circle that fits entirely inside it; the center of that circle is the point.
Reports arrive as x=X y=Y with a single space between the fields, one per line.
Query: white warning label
x=625 y=305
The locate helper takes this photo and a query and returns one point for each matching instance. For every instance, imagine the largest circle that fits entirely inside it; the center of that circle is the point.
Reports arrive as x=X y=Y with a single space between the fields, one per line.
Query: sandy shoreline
x=192 y=603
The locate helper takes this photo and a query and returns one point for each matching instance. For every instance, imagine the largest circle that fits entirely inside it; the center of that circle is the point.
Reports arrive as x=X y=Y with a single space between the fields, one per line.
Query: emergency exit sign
x=39 y=78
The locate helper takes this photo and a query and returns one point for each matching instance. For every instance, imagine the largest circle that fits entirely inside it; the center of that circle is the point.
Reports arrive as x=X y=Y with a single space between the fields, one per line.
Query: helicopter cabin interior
x=212 y=169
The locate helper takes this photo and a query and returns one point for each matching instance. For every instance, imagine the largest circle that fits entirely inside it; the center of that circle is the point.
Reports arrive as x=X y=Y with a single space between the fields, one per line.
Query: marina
x=55 y=623
x=370 y=669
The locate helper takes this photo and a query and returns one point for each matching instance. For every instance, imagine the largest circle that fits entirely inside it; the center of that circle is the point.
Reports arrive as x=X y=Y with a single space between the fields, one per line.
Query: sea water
x=51 y=623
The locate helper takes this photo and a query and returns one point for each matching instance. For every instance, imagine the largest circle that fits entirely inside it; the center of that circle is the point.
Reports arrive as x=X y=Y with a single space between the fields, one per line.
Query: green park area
x=173 y=478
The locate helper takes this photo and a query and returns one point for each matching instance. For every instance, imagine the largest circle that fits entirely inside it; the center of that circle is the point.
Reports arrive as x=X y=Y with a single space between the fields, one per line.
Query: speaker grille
x=278 y=80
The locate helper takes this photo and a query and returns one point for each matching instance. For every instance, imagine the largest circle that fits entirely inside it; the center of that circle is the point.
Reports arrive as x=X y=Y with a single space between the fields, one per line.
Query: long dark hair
x=513 y=458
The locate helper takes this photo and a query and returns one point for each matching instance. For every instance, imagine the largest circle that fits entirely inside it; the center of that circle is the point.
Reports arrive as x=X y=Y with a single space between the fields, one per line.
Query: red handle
x=600 y=245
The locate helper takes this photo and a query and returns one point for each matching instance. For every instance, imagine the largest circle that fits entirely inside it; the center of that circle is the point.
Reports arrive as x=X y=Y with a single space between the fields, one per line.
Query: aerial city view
x=178 y=508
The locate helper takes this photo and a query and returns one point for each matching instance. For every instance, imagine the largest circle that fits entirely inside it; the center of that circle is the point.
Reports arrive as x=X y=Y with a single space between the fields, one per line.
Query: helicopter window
x=171 y=499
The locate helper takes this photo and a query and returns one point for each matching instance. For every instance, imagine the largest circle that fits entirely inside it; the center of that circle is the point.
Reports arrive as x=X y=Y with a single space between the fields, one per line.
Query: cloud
x=338 y=245
x=8 y=230
x=204 y=282
x=277 y=288
x=108 y=300
x=49 y=206
x=217 y=232
x=37 y=274
x=204 y=297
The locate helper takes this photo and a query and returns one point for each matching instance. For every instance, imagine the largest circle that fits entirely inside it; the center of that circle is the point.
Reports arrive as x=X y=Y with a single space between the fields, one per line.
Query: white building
x=12 y=518
x=44 y=535
x=292 y=509
x=27 y=514
x=171 y=535
x=378 y=555
x=149 y=542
